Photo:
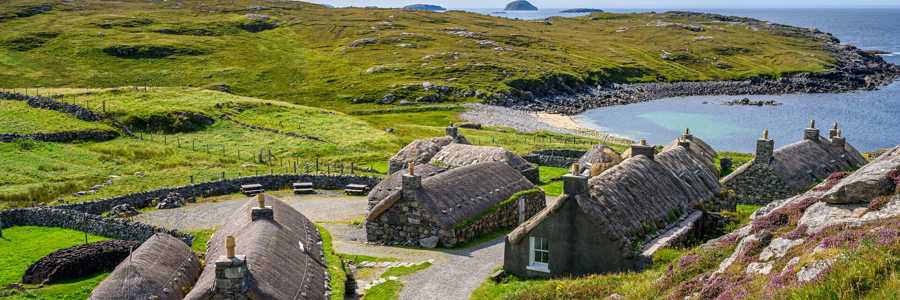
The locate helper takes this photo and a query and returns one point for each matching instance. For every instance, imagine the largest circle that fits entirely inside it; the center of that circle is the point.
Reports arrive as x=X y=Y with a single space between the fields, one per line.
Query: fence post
x=192 y=179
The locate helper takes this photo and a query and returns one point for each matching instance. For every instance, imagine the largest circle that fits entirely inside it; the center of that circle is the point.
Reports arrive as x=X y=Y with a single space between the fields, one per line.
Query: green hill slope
x=313 y=55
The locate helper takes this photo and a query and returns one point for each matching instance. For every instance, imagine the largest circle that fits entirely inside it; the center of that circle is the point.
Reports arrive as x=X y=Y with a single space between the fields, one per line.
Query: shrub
x=878 y=203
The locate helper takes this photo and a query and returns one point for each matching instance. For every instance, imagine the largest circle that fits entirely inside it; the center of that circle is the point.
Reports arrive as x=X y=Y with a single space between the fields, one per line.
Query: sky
x=627 y=4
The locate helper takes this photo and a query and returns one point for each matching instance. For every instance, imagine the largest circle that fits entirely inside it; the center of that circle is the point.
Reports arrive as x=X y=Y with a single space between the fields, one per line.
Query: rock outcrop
x=520 y=5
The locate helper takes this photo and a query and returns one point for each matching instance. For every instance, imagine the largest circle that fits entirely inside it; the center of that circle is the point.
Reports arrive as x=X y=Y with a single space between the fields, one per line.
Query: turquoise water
x=870 y=119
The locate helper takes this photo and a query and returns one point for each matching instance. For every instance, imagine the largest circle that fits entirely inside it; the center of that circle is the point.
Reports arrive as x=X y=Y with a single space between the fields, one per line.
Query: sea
x=870 y=120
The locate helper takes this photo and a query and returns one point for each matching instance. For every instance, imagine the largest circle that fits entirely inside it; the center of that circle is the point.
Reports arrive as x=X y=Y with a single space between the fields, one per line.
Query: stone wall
x=403 y=224
x=758 y=184
x=502 y=218
x=51 y=104
x=93 y=224
x=61 y=137
x=221 y=187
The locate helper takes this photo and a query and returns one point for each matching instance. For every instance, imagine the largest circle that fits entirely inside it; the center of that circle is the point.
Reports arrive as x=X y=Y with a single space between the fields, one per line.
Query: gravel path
x=326 y=206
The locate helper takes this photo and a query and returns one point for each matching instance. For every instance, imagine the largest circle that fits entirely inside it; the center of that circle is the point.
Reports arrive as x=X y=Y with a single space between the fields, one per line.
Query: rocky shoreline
x=853 y=69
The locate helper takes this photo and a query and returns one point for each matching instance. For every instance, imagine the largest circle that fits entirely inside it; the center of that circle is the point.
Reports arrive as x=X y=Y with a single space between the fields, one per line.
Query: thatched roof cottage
x=422 y=150
x=792 y=169
x=460 y=155
x=601 y=224
x=427 y=205
x=163 y=268
x=265 y=250
x=600 y=158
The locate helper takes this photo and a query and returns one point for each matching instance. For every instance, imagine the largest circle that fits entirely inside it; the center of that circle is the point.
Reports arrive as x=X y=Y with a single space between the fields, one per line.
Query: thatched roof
x=692 y=167
x=801 y=164
x=460 y=155
x=279 y=268
x=698 y=146
x=599 y=154
x=418 y=151
x=457 y=195
x=392 y=183
x=636 y=193
x=163 y=267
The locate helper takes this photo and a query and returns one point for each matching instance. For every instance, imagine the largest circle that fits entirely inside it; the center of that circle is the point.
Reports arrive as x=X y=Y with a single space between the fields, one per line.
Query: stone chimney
x=575 y=183
x=838 y=142
x=687 y=135
x=232 y=275
x=411 y=183
x=452 y=131
x=262 y=212
x=642 y=148
x=833 y=132
x=811 y=133
x=765 y=148
x=686 y=143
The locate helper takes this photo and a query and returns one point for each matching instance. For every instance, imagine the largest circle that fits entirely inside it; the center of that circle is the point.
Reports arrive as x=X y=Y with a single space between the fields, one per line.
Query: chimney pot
x=261 y=200
x=229 y=246
x=643 y=149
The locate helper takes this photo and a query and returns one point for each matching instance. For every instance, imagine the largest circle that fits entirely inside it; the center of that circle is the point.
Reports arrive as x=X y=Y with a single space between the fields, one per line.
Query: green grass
x=741 y=215
x=18 y=117
x=551 y=180
x=25 y=245
x=337 y=273
x=404 y=271
x=200 y=238
x=737 y=160
x=307 y=58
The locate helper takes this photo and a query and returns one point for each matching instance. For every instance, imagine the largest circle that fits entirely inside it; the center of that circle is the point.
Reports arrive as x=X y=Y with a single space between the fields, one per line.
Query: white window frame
x=536 y=265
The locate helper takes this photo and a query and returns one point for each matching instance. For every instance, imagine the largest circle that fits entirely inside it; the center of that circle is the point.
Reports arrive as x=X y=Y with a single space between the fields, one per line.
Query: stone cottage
x=427 y=205
x=600 y=158
x=792 y=169
x=265 y=250
x=422 y=150
x=612 y=222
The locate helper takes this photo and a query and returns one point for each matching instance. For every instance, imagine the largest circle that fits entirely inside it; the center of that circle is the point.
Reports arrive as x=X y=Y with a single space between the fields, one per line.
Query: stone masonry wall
x=51 y=104
x=221 y=187
x=757 y=185
x=502 y=218
x=66 y=136
x=554 y=158
x=93 y=224
x=403 y=224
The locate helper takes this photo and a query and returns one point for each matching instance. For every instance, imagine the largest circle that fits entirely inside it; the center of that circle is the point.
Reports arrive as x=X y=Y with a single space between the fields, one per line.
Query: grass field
x=25 y=245
x=18 y=117
x=308 y=57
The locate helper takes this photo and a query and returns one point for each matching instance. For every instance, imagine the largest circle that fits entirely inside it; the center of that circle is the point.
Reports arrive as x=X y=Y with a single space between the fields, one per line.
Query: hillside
x=324 y=57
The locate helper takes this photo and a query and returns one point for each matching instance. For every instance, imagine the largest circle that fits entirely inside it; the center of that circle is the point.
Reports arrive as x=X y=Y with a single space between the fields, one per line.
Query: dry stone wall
x=757 y=185
x=61 y=137
x=51 y=104
x=93 y=224
x=221 y=187
x=555 y=158
x=504 y=217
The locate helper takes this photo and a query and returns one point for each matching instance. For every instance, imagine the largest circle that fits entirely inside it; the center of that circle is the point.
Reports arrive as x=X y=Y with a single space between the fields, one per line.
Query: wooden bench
x=303 y=188
x=252 y=189
x=356 y=189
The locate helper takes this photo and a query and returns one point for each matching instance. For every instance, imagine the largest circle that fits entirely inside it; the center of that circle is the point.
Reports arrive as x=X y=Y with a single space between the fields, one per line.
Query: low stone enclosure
x=792 y=169
x=614 y=221
x=61 y=137
x=431 y=206
x=90 y=223
x=220 y=187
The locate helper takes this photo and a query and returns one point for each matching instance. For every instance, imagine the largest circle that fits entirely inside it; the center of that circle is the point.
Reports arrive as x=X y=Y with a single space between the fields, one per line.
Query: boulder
x=878 y=178
x=778 y=248
x=429 y=242
x=124 y=211
x=172 y=200
x=79 y=261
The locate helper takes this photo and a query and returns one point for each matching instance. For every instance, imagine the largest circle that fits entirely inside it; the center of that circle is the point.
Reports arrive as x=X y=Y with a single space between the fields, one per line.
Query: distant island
x=426 y=7
x=520 y=5
x=581 y=10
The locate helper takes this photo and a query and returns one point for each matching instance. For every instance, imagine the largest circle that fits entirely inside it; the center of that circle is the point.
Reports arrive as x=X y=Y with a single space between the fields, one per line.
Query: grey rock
x=871 y=181
x=778 y=248
x=363 y=42
x=429 y=242
x=812 y=271
x=759 y=268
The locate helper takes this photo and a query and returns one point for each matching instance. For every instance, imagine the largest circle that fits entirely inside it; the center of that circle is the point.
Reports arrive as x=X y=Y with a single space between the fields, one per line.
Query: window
x=539 y=254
